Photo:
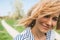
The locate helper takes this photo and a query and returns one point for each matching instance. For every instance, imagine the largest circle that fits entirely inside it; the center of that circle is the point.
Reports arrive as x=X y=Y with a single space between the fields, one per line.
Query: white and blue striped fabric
x=27 y=35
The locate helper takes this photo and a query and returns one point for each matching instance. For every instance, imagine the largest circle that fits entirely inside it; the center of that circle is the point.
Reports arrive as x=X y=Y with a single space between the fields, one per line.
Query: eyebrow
x=56 y=16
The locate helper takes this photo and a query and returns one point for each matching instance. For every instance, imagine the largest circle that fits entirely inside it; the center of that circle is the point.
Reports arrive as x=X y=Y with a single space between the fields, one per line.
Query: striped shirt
x=27 y=35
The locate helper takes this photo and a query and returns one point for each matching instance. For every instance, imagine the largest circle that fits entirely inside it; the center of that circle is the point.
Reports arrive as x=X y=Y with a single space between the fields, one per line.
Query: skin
x=43 y=25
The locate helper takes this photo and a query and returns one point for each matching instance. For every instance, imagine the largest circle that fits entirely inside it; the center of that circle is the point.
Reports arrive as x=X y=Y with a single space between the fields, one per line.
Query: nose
x=49 y=22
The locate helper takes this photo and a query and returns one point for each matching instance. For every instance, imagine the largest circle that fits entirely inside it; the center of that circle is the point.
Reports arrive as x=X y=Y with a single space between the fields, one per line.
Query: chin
x=44 y=31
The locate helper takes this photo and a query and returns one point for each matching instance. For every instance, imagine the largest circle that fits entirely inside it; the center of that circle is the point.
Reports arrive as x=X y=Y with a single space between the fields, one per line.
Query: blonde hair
x=42 y=8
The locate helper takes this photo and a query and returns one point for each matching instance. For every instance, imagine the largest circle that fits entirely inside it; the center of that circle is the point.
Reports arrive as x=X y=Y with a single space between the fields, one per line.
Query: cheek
x=54 y=23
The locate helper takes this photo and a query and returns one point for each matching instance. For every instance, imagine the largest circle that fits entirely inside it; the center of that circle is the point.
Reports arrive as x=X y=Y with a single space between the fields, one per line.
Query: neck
x=37 y=33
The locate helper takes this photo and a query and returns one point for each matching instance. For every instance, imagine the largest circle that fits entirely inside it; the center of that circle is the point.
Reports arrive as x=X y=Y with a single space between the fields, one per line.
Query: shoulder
x=25 y=35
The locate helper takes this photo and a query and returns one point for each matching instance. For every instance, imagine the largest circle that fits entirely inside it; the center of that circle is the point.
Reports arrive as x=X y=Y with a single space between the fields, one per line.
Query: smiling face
x=46 y=23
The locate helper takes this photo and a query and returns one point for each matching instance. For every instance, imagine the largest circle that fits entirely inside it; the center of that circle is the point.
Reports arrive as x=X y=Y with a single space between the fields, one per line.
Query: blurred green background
x=3 y=33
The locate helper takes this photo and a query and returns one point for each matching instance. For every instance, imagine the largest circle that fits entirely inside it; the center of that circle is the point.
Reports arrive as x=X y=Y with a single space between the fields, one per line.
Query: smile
x=44 y=26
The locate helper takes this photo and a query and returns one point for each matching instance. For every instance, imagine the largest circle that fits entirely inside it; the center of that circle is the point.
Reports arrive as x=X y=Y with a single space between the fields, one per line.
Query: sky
x=7 y=6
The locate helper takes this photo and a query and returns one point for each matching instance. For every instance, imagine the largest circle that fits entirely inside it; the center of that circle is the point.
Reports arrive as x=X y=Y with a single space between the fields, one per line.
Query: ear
x=32 y=23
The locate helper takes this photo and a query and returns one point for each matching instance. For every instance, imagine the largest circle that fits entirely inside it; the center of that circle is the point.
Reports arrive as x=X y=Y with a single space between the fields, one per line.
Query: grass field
x=3 y=33
x=12 y=23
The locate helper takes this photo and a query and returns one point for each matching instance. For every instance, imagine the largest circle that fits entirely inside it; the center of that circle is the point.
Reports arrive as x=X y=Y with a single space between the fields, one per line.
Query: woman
x=41 y=20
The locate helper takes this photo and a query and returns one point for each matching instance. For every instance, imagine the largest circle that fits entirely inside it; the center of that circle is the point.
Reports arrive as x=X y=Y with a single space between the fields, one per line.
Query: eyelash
x=55 y=18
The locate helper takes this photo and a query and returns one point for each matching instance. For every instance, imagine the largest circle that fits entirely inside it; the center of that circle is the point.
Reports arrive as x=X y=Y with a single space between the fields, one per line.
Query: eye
x=55 y=18
x=47 y=16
